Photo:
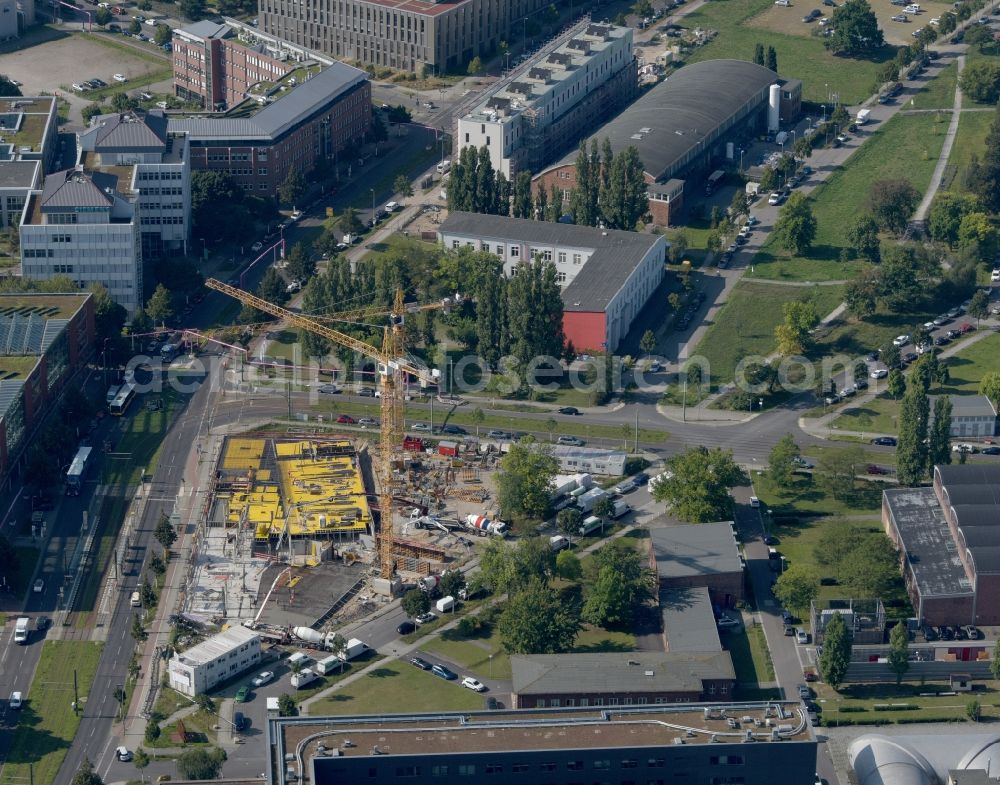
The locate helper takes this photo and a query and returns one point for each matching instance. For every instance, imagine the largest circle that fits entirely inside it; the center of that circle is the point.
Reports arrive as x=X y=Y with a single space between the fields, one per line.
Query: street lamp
x=823 y=107
x=741 y=160
x=373 y=206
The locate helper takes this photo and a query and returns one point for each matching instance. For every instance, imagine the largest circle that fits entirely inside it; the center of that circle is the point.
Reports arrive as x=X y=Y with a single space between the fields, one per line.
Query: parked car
x=966 y=328
x=420 y=663
x=879 y=373
x=789 y=631
x=802 y=463
x=406 y=628
x=727 y=621
x=346 y=419
x=329 y=389
x=262 y=678
x=810 y=676
x=802 y=636
x=572 y=441
x=498 y=434
x=805 y=692
x=473 y=684
x=901 y=340
x=885 y=441
x=243 y=694
x=420 y=426
x=445 y=673
x=568 y=410
x=876 y=469
x=425 y=618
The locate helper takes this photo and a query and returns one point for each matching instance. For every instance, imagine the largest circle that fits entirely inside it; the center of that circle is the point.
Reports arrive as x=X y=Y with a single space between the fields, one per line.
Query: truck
x=713 y=181
x=21 y=630
x=621 y=508
x=329 y=665
x=590 y=524
x=355 y=648
x=428 y=583
x=864 y=115
x=445 y=604
x=413 y=443
x=309 y=635
x=303 y=678
x=558 y=542
x=587 y=501
x=752 y=190
x=482 y=526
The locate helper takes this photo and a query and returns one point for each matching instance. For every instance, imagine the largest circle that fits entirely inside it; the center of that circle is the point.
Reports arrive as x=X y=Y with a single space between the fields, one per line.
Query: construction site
x=291 y=526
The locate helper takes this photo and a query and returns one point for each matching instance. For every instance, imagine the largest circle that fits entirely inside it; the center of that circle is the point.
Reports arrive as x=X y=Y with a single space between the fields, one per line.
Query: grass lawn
x=751 y=659
x=473 y=653
x=742 y=327
x=877 y=416
x=803 y=57
x=848 y=335
x=593 y=639
x=939 y=92
x=970 y=140
x=804 y=497
x=46 y=724
x=399 y=687
x=905 y=146
x=861 y=700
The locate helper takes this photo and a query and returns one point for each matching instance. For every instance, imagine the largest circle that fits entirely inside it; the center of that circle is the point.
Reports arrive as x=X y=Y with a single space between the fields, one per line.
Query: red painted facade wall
x=586 y=329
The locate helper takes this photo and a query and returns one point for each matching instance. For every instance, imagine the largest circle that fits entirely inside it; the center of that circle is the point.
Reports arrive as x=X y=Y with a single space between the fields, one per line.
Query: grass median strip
x=46 y=724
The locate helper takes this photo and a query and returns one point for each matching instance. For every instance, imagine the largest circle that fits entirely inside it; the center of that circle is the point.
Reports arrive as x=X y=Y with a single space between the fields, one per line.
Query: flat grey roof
x=681 y=113
x=971 y=406
x=18 y=174
x=689 y=621
x=615 y=253
x=929 y=548
x=205 y=29
x=214 y=647
x=276 y=118
x=695 y=549
x=617 y=672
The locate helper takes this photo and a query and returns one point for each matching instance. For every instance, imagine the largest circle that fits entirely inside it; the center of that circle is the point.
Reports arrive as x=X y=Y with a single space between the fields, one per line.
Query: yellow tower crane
x=391 y=365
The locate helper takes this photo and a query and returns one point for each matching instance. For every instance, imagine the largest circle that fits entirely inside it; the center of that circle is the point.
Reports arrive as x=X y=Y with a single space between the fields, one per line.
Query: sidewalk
x=949 y=141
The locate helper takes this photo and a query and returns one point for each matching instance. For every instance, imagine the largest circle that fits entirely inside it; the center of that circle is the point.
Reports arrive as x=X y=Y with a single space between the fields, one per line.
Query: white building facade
x=518 y=121
x=218 y=659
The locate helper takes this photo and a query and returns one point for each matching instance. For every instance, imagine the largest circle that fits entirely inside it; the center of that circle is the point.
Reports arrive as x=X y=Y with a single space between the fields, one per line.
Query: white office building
x=549 y=103
x=161 y=174
x=607 y=276
x=83 y=225
x=218 y=659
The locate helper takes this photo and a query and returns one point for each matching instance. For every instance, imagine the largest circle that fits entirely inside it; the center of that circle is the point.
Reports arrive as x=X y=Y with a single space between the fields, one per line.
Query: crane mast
x=391 y=365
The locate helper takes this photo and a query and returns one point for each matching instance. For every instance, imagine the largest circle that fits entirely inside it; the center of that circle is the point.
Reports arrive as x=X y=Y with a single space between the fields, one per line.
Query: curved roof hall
x=684 y=112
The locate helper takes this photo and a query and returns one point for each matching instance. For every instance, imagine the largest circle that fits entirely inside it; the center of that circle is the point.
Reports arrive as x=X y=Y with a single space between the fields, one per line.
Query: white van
x=444 y=166
x=299 y=658
x=136 y=600
x=391 y=207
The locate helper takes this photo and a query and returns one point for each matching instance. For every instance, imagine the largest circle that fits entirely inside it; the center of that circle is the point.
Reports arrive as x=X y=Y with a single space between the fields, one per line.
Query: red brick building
x=620 y=678
x=45 y=338
x=215 y=68
x=315 y=120
x=680 y=129
x=694 y=556
x=949 y=544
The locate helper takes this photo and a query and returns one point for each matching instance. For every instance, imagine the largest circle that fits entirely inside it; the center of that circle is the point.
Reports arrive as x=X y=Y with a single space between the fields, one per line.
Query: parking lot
x=52 y=66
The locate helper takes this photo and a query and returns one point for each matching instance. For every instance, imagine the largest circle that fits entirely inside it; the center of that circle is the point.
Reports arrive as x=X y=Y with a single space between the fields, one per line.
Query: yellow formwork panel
x=243 y=454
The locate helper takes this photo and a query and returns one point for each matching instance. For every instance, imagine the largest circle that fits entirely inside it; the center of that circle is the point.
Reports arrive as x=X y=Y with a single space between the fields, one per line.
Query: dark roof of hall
x=682 y=110
x=969 y=474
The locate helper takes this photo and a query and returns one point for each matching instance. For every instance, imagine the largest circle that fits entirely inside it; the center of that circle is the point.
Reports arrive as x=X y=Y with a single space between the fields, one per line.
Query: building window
x=467 y=770
x=519 y=768
x=547 y=767
x=577 y=258
x=515 y=251
x=561 y=278
x=494 y=768
x=562 y=257
x=574 y=765
x=547 y=256
x=629 y=763
x=602 y=765
x=455 y=244
x=439 y=771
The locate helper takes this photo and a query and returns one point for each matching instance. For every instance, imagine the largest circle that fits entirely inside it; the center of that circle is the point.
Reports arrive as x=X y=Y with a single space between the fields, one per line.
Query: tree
x=147 y=594
x=939 y=448
x=568 y=566
x=840 y=116
x=855 y=30
x=402 y=186
x=293 y=187
x=621 y=586
x=415 y=603
x=772 y=59
x=452 y=582
x=648 y=342
x=152 y=732
x=835 y=471
x=134 y=27
x=768 y=178
x=521 y=207
x=977 y=232
x=946 y=213
x=299 y=264
x=863 y=237
x=201 y=764
x=86 y=775
x=758 y=54
x=871 y=568
x=478 y=417
x=160 y=307
x=795 y=228
x=836 y=656
x=536 y=620
x=995 y=661
x=140 y=759
x=273 y=287
x=697 y=484
x=568 y=522
x=625 y=200
x=899 y=651
x=205 y=703
x=989 y=386
x=475 y=66
x=603 y=507
x=165 y=533
x=793 y=334
x=973 y=710
x=892 y=202
x=781 y=462
x=980 y=81
x=162 y=35
x=103 y=17
x=642 y=8
x=507 y=569
x=137 y=630
x=979 y=306
x=911 y=449
x=523 y=480
x=286 y=705
x=896 y=384
x=193 y=9
x=797 y=587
